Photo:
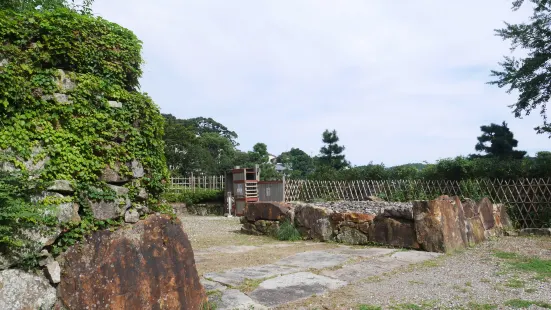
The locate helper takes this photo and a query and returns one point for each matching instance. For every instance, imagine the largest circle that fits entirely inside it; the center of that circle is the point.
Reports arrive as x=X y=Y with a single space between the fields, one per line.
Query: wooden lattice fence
x=528 y=200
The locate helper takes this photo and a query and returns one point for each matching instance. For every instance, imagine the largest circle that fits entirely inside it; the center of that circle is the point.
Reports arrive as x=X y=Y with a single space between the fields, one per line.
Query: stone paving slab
x=314 y=259
x=291 y=287
x=235 y=277
x=229 y=249
x=377 y=266
x=415 y=256
x=235 y=300
x=212 y=286
x=367 y=252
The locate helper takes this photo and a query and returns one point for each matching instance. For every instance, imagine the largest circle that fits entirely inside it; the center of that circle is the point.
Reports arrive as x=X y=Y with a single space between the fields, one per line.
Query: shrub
x=288 y=232
x=195 y=197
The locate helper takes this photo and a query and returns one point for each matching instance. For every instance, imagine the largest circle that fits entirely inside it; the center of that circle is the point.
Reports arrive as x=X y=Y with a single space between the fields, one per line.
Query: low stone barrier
x=441 y=225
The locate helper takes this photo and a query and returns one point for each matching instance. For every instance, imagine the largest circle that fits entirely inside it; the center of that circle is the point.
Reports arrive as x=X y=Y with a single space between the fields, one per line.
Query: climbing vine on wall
x=70 y=106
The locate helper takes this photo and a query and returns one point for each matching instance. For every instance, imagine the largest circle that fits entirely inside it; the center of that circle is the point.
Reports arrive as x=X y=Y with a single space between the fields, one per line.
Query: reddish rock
x=474 y=227
x=395 y=232
x=486 y=209
x=504 y=216
x=271 y=211
x=359 y=217
x=148 y=266
x=470 y=208
x=440 y=225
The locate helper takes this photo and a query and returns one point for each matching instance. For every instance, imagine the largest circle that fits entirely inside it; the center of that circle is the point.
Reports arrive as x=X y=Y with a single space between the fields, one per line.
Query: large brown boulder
x=474 y=228
x=271 y=211
x=440 y=224
x=395 y=232
x=148 y=266
x=314 y=222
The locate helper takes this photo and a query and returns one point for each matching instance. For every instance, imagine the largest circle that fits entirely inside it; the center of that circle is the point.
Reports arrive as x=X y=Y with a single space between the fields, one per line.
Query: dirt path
x=252 y=272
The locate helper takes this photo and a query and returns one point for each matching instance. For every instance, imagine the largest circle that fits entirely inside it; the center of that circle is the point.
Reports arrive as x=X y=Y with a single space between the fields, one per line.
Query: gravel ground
x=459 y=281
x=218 y=244
x=399 y=209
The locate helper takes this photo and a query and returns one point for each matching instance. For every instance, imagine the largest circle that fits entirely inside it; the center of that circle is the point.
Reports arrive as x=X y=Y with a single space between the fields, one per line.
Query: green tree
x=498 y=141
x=332 y=154
x=192 y=146
x=530 y=75
x=203 y=125
x=299 y=164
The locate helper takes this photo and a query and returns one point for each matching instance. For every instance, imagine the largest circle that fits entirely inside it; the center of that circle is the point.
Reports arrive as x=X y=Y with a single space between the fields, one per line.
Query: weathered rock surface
x=63 y=81
x=351 y=235
x=314 y=221
x=150 y=266
x=113 y=175
x=21 y=290
x=131 y=216
x=440 y=225
x=53 y=271
x=271 y=211
x=62 y=187
x=474 y=228
x=291 y=287
x=104 y=210
x=137 y=169
x=393 y=231
x=111 y=209
x=115 y=104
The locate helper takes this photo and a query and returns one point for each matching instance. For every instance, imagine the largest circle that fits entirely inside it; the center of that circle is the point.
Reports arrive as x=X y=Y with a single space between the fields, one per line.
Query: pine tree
x=332 y=153
x=498 y=141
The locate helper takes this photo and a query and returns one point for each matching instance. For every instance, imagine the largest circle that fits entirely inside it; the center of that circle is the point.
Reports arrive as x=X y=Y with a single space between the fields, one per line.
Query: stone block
x=62 y=187
x=349 y=235
x=440 y=225
x=271 y=211
x=131 y=216
x=120 y=278
x=395 y=232
x=115 y=104
x=22 y=290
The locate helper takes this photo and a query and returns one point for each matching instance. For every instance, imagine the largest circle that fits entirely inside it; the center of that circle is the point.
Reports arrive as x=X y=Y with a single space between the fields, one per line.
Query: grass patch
x=250 y=285
x=530 y=290
x=415 y=282
x=288 y=232
x=410 y=306
x=485 y=280
x=542 y=267
x=469 y=284
x=369 y=307
x=515 y=283
x=521 y=304
x=477 y=306
x=505 y=255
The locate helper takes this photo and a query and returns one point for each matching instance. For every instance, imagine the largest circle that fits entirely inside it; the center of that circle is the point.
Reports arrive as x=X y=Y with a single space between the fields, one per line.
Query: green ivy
x=75 y=128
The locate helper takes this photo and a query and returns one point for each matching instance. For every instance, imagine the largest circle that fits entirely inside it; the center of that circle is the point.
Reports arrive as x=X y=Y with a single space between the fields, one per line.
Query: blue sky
x=401 y=81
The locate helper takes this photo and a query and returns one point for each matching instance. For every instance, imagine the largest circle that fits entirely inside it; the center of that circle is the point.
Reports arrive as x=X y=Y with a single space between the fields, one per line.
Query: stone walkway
x=298 y=276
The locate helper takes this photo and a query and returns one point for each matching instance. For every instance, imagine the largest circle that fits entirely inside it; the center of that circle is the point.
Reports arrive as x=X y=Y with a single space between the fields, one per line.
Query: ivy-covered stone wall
x=72 y=116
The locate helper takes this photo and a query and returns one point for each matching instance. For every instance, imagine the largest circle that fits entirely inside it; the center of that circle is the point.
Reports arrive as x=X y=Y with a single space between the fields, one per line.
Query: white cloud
x=401 y=81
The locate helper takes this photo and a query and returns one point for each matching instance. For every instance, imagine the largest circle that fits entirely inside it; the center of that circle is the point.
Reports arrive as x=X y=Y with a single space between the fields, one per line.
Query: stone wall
x=201 y=209
x=441 y=225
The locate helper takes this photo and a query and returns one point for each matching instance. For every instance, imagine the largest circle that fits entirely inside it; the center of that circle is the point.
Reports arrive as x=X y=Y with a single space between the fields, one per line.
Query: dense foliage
x=196 y=196
x=60 y=73
x=82 y=133
x=530 y=74
x=17 y=210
